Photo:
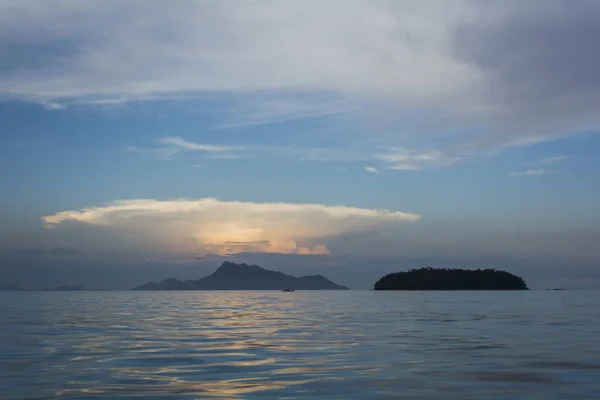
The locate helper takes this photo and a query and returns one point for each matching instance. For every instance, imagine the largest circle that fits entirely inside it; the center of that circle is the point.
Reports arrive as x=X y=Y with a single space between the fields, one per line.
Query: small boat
x=287 y=290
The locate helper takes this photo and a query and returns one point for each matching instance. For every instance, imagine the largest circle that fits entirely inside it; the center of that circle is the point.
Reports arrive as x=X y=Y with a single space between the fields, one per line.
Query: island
x=450 y=279
x=231 y=276
x=68 y=288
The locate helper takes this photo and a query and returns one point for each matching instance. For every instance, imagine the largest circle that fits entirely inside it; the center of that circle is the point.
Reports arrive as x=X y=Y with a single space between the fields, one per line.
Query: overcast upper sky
x=352 y=138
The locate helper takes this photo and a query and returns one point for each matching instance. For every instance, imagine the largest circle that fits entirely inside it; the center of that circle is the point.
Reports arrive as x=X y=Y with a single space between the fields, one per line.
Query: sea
x=302 y=345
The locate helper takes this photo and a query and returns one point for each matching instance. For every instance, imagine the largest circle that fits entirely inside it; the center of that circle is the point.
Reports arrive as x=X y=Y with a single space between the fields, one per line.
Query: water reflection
x=346 y=345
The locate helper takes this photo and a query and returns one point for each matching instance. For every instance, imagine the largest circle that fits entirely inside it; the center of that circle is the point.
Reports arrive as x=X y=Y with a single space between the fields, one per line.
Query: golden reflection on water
x=233 y=345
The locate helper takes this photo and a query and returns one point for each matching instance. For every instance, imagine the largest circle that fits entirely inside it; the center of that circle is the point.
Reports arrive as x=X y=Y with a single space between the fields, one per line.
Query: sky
x=149 y=139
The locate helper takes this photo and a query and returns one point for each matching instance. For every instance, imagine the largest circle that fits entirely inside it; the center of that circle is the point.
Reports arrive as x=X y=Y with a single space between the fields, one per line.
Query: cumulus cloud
x=530 y=172
x=211 y=226
x=488 y=74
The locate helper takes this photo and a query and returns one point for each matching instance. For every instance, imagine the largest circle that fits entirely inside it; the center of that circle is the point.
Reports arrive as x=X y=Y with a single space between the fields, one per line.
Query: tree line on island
x=451 y=279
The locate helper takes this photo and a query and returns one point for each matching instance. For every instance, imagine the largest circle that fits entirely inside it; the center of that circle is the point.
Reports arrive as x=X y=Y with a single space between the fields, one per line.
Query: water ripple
x=337 y=345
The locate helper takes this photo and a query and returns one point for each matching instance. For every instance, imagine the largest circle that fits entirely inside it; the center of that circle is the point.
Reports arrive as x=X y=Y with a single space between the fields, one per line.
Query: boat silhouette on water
x=287 y=290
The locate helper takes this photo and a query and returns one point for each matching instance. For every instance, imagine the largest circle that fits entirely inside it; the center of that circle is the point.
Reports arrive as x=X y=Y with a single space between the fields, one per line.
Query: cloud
x=372 y=170
x=211 y=226
x=406 y=160
x=485 y=75
x=217 y=46
x=184 y=144
x=391 y=157
x=554 y=160
x=176 y=145
x=530 y=172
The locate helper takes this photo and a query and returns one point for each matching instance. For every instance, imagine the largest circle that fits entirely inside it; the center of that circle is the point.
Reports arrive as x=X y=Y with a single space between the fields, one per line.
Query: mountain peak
x=233 y=269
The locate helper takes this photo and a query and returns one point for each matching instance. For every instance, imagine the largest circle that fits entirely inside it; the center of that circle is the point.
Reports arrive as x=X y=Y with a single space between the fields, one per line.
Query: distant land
x=67 y=288
x=451 y=279
x=230 y=276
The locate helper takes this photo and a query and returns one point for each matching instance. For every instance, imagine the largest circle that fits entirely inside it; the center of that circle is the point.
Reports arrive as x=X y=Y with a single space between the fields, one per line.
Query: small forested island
x=450 y=279
x=231 y=276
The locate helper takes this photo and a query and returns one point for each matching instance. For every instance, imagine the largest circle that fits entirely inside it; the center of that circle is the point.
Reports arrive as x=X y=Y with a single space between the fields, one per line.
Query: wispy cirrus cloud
x=407 y=160
x=392 y=158
x=171 y=146
x=372 y=170
x=554 y=160
x=181 y=143
x=538 y=170
x=211 y=226
x=530 y=172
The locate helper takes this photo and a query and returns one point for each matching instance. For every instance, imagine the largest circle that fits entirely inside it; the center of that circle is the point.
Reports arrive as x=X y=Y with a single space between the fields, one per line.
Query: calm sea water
x=315 y=345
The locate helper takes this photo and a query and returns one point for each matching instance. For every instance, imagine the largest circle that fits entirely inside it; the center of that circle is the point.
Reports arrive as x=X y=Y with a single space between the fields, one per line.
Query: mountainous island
x=230 y=276
x=450 y=279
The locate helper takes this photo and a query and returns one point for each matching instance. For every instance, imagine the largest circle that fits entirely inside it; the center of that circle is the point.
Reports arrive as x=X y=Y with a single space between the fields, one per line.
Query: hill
x=230 y=276
x=450 y=279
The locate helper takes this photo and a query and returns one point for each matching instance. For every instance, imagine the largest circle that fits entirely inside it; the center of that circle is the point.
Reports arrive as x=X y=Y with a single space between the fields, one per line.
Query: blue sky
x=329 y=136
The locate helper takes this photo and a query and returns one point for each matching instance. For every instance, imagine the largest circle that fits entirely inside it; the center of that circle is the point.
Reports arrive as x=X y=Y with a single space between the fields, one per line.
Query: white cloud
x=175 y=145
x=230 y=46
x=184 y=144
x=530 y=172
x=407 y=160
x=554 y=160
x=392 y=158
x=484 y=73
x=211 y=226
x=372 y=170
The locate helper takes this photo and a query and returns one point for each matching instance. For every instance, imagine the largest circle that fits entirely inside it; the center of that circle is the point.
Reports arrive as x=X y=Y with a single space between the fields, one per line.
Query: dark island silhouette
x=230 y=276
x=67 y=288
x=450 y=279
